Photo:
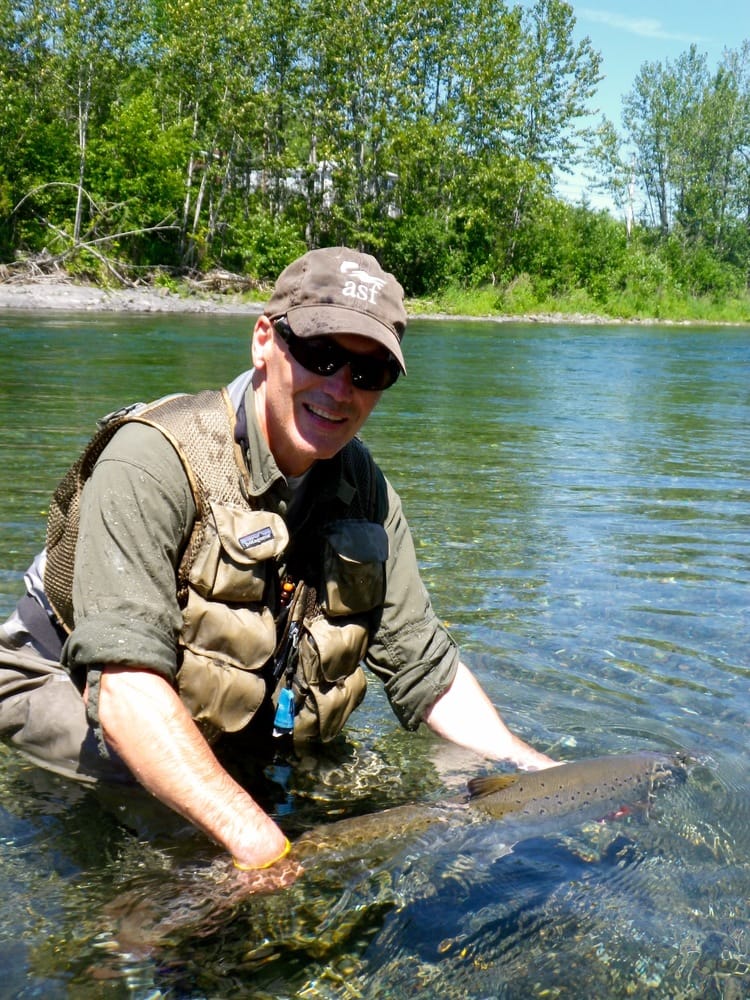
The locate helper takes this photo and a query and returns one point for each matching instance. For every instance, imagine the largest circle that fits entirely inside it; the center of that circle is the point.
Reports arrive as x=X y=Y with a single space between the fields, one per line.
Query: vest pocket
x=354 y=567
x=231 y=562
x=329 y=651
x=220 y=697
x=329 y=676
x=326 y=707
x=237 y=635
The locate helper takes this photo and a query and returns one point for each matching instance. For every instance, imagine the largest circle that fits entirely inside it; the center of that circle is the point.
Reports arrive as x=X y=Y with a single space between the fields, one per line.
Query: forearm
x=145 y=722
x=465 y=715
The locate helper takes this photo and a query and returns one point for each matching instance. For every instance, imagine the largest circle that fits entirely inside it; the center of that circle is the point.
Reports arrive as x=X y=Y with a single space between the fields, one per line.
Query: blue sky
x=629 y=33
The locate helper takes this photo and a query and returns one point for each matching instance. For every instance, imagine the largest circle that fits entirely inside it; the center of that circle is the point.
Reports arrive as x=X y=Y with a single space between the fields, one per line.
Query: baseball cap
x=338 y=290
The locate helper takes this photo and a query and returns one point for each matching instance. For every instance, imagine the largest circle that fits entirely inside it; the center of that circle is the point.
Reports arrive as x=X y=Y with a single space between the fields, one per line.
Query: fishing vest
x=238 y=646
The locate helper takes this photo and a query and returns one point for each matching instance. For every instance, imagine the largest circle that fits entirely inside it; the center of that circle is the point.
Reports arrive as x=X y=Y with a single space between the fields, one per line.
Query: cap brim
x=329 y=320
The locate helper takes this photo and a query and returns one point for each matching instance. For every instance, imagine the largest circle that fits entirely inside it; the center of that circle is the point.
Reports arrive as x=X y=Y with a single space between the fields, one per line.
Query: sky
x=628 y=33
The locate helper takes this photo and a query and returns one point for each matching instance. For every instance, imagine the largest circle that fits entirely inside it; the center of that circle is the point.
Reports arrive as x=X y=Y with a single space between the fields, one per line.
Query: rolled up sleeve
x=411 y=651
x=136 y=516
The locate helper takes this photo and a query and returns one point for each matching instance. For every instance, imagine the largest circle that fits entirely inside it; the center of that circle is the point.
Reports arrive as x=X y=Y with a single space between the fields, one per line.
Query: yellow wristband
x=258 y=868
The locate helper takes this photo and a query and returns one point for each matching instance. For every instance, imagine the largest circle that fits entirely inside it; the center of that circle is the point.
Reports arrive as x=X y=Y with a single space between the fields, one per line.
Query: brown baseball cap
x=338 y=290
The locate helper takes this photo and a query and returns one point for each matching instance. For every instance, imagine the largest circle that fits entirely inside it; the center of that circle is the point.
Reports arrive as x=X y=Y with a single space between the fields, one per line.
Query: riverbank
x=63 y=296
x=41 y=296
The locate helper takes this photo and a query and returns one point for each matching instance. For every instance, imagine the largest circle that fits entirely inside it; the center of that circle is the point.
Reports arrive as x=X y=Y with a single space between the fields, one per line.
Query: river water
x=580 y=501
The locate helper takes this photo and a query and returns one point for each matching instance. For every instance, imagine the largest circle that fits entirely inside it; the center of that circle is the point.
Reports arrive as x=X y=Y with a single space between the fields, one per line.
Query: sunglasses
x=323 y=356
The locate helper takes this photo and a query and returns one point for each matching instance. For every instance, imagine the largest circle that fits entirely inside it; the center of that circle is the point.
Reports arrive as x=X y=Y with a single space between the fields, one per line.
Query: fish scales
x=596 y=780
x=584 y=789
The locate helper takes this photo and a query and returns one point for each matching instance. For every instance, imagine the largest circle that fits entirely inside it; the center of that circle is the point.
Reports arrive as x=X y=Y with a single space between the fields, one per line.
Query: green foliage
x=519 y=296
x=699 y=270
x=418 y=250
x=459 y=300
x=163 y=279
x=149 y=179
x=526 y=297
x=168 y=134
x=262 y=246
x=683 y=155
x=571 y=247
x=86 y=267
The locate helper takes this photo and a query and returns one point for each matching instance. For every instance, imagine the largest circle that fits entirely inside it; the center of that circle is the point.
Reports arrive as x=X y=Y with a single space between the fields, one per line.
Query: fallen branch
x=112 y=266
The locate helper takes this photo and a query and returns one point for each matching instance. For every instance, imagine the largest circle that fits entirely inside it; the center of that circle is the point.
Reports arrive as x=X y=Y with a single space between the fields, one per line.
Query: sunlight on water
x=580 y=502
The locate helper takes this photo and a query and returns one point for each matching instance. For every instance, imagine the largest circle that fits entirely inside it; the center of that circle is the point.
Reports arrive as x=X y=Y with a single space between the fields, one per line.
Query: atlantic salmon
x=526 y=804
x=586 y=789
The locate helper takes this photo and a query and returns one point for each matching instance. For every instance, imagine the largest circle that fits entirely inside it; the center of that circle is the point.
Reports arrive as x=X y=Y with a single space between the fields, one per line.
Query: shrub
x=417 y=251
x=262 y=245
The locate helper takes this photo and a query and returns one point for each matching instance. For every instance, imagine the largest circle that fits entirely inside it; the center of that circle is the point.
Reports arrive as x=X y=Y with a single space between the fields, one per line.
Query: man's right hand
x=146 y=723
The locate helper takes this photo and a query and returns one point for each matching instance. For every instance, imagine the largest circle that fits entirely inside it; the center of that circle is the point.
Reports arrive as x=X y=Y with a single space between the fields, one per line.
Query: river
x=580 y=501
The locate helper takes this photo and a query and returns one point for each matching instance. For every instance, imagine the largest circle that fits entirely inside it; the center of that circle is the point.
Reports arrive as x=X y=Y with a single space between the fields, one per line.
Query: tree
x=356 y=73
x=691 y=132
x=203 y=58
x=86 y=39
x=648 y=124
x=717 y=149
x=526 y=87
x=558 y=79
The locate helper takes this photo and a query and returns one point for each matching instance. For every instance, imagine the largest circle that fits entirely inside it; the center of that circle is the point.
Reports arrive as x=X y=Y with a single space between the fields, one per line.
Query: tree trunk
x=84 y=107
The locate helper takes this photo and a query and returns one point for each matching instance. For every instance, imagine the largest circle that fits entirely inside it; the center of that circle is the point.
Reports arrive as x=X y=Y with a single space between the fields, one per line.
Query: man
x=218 y=566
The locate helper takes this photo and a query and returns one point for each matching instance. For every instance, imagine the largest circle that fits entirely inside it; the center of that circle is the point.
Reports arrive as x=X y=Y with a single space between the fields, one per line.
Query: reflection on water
x=581 y=508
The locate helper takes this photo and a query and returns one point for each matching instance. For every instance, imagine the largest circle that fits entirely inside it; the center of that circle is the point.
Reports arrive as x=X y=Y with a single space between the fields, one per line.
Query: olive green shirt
x=137 y=512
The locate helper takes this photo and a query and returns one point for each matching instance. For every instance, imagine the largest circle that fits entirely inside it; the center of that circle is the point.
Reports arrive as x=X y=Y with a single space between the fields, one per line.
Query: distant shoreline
x=43 y=296
x=47 y=296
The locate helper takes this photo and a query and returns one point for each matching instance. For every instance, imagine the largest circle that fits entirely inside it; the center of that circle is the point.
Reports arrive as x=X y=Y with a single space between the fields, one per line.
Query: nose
x=339 y=385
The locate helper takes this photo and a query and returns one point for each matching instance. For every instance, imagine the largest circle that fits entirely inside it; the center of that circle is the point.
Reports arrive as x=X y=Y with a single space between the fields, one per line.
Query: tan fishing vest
x=227 y=582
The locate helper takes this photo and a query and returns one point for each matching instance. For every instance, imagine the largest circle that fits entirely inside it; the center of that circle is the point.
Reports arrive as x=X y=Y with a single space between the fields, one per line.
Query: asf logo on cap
x=359 y=284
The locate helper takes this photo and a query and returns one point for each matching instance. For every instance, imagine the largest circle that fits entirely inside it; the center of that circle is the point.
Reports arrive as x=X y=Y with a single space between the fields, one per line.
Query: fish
x=332 y=856
x=592 y=788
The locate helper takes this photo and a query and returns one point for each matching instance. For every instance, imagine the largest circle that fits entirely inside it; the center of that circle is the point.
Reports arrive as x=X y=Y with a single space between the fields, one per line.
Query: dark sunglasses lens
x=322 y=356
x=372 y=373
x=316 y=356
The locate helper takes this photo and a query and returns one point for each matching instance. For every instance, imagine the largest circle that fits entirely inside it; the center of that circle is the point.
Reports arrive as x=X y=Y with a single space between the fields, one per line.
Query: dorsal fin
x=481 y=787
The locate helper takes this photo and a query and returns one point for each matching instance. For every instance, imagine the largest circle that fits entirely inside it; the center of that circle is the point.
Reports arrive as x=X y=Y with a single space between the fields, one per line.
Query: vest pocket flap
x=249 y=535
x=354 y=566
x=359 y=541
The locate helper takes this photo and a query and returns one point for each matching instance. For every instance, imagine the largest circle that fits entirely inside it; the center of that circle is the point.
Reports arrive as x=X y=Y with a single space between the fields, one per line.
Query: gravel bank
x=58 y=295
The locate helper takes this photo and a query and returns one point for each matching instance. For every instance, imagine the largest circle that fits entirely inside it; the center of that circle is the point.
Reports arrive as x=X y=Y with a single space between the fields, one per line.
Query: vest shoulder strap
x=200 y=428
x=370 y=501
x=62 y=526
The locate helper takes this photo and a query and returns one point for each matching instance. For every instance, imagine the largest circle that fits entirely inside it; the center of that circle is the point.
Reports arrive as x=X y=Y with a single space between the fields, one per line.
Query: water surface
x=580 y=502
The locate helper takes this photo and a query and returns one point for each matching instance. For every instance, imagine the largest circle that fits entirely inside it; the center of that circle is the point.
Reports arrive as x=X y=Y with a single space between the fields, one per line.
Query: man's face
x=306 y=417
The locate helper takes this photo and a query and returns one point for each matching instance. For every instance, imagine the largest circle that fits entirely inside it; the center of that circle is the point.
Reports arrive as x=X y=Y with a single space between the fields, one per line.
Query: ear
x=262 y=342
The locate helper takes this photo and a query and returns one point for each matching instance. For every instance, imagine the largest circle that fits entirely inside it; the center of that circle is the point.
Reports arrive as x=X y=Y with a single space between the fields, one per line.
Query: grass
x=520 y=299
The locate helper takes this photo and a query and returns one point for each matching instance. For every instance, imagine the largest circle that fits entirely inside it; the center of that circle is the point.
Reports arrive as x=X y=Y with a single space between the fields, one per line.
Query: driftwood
x=53 y=265
x=33 y=268
x=47 y=264
x=218 y=280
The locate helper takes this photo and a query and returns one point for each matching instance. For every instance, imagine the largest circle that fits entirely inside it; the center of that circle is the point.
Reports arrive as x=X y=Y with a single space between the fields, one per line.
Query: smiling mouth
x=324 y=414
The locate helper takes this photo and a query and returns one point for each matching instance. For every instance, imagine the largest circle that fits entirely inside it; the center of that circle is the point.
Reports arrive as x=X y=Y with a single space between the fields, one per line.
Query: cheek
x=369 y=402
x=287 y=388
x=278 y=373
